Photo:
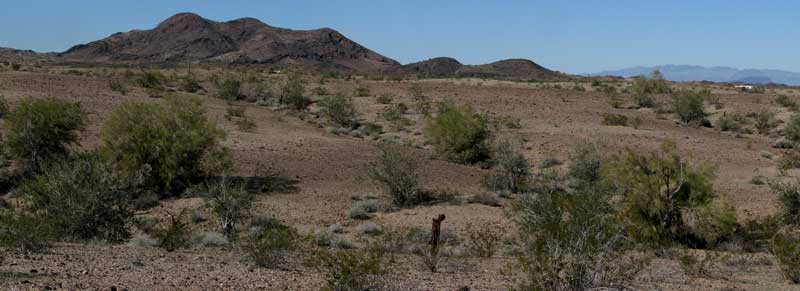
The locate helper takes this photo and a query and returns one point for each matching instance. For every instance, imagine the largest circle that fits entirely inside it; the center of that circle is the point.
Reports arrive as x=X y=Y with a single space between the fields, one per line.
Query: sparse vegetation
x=688 y=106
x=268 y=244
x=792 y=128
x=230 y=202
x=384 y=99
x=731 y=122
x=118 y=86
x=293 y=93
x=787 y=102
x=511 y=169
x=353 y=269
x=397 y=174
x=361 y=92
x=614 y=119
x=339 y=111
x=458 y=134
x=174 y=234
x=229 y=88
x=764 y=122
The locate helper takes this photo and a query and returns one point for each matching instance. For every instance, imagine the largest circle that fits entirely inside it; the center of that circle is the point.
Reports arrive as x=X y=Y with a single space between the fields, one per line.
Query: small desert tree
x=511 y=168
x=293 y=93
x=42 y=130
x=168 y=143
x=339 y=110
x=230 y=202
x=458 y=134
x=397 y=174
x=689 y=106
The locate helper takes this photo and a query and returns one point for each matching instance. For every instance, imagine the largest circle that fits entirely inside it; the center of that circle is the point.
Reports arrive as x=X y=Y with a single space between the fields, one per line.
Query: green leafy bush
x=81 y=199
x=570 y=241
x=764 y=122
x=657 y=188
x=353 y=269
x=293 y=93
x=511 y=169
x=151 y=80
x=787 y=102
x=189 y=84
x=361 y=92
x=229 y=88
x=384 y=98
x=731 y=122
x=688 y=106
x=614 y=119
x=167 y=143
x=394 y=116
x=397 y=174
x=792 y=129
x=118 y=86
x=789 y=198
x=458 y=134
x=339 y=110
x=41 y=130
x=267 y=245
x=786 y=249
x=24 y=231
x=175 y=234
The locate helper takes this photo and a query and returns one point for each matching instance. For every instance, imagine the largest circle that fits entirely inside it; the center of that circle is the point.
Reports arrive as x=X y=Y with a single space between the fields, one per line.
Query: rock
x=783 y=143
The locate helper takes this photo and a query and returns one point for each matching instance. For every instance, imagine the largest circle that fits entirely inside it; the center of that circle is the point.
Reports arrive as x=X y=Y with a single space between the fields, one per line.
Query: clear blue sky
x=570 y=36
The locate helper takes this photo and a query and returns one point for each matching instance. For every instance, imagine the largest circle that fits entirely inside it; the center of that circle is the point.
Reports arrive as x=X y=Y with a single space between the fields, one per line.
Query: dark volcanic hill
x=516 y=69
x=187 y=37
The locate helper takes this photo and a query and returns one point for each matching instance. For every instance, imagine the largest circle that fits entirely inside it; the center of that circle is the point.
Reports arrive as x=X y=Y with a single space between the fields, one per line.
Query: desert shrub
x=170 y=142
x=394 y=116
x=488 y=199
x=511 y=168
x=792 y=128
x=362 y=209
x=339 y=110
x=657 y=188
x=370 y=228
x=644 y=101
x=229 y=88
x=688 y=105
x=483 y=240
x=712 y=222
x=789 y=160
x=267 y=245
x=570 y=241
x=118 y=86
x=23 y=231
x=234 y=111
x=189 y=84
x=42 y=130
x=787 y=102
x=358 y=213
x=731 y=122
x=700 y=263
x=397 y=174
x=246 y=124
x=654 y=84
x=353 y=269
x=361 y=92
x=615 y=101
x=384 y=98
x=764 y=122
x=16 y=67
x=81 y=199
x=614 y=119
x=230 y=202
x=785 y=247
x=150 y=79
x=4 y=108
x=458 y=134
x=584 y=167
x=320 y=91
x=211 y=239
x=293 y=93
x=175 y=234
x=789 y=199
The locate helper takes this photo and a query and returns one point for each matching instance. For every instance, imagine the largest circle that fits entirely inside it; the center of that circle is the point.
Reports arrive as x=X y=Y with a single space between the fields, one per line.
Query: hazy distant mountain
x=714 y=74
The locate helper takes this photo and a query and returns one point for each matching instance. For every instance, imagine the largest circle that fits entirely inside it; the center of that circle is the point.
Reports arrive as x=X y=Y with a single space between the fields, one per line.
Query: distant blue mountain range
x=713 y=74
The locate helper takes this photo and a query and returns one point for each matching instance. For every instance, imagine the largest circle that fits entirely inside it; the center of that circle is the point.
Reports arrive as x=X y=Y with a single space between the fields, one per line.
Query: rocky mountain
x=516 y=69
x=187 y=37
x=713 y=74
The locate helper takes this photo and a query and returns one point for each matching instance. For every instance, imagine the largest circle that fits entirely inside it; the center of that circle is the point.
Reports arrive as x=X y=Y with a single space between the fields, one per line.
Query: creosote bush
x=511 y=168
x=169 y=144
x=785 y=247
x=339 y=110
x=792 y=129
x=23 y=231
x=353 y=269
x=229 y=88
x=397 y=174
x=230 y=202
x=689 y=106
x=458 y=134
x=81 y=199
x=787 y=102
x=268 y=244
x=614 y=119
x=764 y=122
x=293 y=93
x=42 y=130
x=175 y=233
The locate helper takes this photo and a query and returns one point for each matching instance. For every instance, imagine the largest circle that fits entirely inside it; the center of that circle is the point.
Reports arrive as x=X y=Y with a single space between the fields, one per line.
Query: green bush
x=167 y=142
x=657 y=189
x=42 y=130
x=731 y=122
x=361 y=92
x=81 y=199
x=688 y=105
x=584 y=167
x=765 y=122
x=786 y=249
x=394 y=116
x=384 y=98
x=789 y=198
x=458 y=134
x=339 y=111
x=230 y=202
x=175 y=234
x=353 y=269
x=397 y=174
x=151 y=80
x=229 y=88
x=643 y=87
x=118 y=86
x=246 y=124
x=511 y=169
x=787 y=102
x=293 y=93
x=189 y=84
x=614 y=119
x=267 y=245
x=25 y=232
x=792 y=128
x=570 y=241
